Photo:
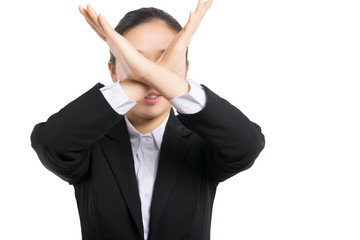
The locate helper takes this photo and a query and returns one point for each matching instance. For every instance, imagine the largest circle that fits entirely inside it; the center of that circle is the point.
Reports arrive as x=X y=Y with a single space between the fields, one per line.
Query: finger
x=86 y=14
x=203 y=7
x=90 y=21
x=95 y=27
x=200 y=5
x=199 y=14
x=96 y=30
x=94 y=16
x=194 y=21
x=208 y=4
x=88 y=18
x=81 y=10
x=105 y=25
x=200 y=11
x=188 y=23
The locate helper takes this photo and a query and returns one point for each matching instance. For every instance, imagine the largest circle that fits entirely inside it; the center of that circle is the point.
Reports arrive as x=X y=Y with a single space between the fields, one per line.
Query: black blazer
x=87 y=144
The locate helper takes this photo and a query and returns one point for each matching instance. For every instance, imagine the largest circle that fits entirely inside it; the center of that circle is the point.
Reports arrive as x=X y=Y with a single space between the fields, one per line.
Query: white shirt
x=146 y=148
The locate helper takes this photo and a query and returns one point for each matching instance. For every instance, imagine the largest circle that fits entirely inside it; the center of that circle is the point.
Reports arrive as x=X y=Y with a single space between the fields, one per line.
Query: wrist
x=134 y=90
x=166 y=82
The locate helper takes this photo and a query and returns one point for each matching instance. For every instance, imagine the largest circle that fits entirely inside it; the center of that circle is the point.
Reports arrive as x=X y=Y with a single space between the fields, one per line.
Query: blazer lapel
x=173 y=152
x=120 y=158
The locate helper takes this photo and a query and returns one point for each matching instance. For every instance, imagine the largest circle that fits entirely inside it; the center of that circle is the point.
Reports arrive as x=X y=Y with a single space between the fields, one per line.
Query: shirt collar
x=135 y=136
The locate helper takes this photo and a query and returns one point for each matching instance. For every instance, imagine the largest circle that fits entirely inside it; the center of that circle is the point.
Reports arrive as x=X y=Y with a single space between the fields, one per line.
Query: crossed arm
x=63 y=142
x=143 y=74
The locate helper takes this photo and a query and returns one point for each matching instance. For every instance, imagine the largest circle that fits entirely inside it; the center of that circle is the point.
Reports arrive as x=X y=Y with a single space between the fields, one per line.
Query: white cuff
x=192 y=102
x=117 y=98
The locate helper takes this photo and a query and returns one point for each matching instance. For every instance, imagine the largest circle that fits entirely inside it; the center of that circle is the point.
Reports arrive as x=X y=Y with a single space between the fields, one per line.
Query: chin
x=144 y=111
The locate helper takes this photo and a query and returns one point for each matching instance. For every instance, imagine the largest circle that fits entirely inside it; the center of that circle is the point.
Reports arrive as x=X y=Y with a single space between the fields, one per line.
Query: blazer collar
x=117 y=131
x=135 y=136
x=174 y=150
x=118 y=154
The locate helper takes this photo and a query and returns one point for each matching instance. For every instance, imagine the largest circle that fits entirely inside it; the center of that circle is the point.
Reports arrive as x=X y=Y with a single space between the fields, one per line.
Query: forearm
x=135 y=90
x=166 y=82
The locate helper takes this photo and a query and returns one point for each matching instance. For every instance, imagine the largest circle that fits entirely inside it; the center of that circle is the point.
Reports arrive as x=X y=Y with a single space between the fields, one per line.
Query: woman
x=139 y=171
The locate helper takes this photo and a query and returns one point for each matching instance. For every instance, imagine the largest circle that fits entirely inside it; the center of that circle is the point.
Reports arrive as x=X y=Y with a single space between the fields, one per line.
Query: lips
x=152 y=98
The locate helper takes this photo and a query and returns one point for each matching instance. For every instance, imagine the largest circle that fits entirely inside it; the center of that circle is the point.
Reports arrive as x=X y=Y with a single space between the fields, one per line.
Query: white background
x=293 y=67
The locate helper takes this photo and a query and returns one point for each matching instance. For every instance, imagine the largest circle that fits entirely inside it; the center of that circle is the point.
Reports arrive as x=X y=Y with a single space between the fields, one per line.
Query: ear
x=112 y=71
x=187 y=68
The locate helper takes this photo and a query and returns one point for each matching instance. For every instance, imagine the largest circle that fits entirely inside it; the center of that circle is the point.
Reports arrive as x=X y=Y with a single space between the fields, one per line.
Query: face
x=150 y=39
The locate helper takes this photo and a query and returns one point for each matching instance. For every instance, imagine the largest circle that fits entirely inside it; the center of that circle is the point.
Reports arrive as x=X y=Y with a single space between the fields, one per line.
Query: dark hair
x=144 y=15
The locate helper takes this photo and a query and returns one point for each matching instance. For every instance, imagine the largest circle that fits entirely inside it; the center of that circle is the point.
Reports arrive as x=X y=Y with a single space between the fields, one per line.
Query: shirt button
x=147 y=195
x=146 y=230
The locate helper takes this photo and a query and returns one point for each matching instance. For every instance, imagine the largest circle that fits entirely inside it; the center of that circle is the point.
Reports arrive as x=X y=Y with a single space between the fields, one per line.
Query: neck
x=146 y=125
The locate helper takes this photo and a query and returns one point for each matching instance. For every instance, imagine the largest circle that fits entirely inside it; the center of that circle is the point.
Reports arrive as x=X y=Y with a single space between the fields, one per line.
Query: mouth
x=152 y=98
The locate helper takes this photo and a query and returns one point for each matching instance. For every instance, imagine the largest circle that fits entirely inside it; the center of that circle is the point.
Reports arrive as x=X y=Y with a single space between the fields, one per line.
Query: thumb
x=187 y=25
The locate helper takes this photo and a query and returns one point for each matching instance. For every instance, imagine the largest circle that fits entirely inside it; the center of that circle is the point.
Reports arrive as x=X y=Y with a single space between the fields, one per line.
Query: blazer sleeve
x=63 y=143
x=231 y=141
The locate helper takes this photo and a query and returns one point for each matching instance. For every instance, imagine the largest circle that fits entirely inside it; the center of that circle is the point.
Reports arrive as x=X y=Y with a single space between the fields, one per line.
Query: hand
x=174 y=56
x=133 y=63
x=157 y=75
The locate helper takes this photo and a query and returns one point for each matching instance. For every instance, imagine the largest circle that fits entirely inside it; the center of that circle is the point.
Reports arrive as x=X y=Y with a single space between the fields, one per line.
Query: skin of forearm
x=166 y=82
x=161 y=79
x=134 y=90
